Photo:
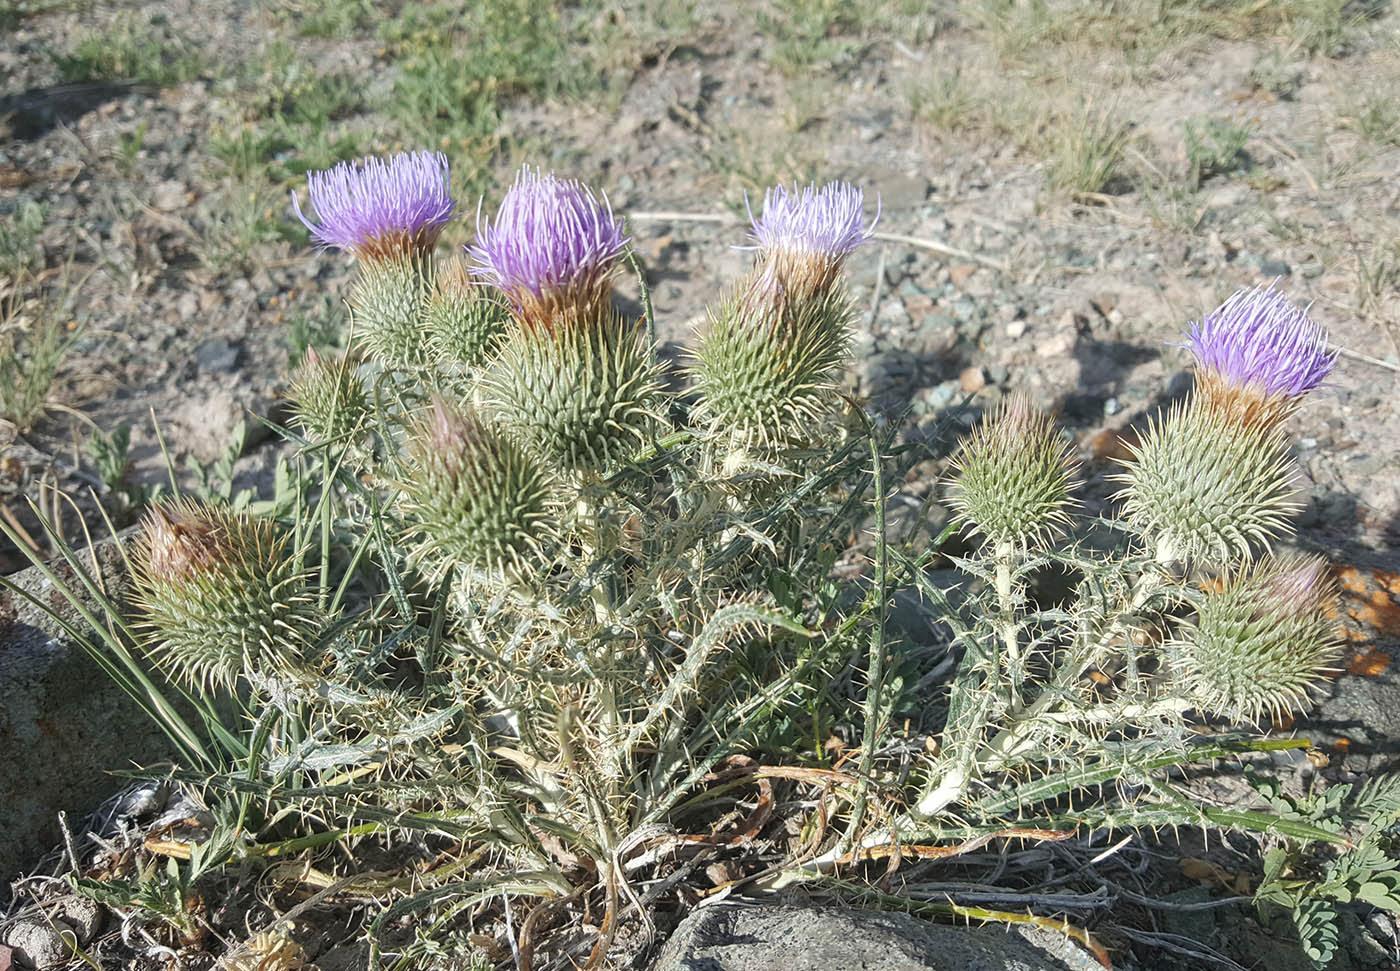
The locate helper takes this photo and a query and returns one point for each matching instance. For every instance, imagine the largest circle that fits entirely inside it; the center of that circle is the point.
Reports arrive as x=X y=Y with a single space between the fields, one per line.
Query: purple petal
x=549 y=235
x=1258 y=337
x=825 y=220
x=363 y=203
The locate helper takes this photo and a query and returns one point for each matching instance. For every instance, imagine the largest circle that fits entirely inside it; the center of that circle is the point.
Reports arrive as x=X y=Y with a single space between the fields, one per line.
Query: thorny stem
x=1010 y=629
x=875 y=685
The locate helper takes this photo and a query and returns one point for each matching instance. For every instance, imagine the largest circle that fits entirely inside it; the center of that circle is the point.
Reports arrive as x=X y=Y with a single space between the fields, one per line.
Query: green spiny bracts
x=222 y=596
x=477 y=499
x=582 y=393
x=1201 y=486
x=767 y=371
x=465 y=320
x=328 y=399
x=1013 y=477
x=1262 y=641
x=388 y=302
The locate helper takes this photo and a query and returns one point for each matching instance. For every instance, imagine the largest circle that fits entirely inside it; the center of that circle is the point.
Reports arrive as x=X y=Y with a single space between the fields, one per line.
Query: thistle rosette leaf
x=768 y=368
x=329 y=401
x=1262 y=641
x=552 y=245
x=584 y=395
x=464 y=321
x=1202 y=486
x=223 y=596
x=478 y=500
x=381 y=209
x=1013 y=477
x=1257 y=355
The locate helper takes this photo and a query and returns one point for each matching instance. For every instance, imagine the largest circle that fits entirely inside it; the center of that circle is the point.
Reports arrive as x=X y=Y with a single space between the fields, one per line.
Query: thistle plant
x=537 y=627
x=573 y=378
x=223 y=596
x=1213 y=479
x=768 y=368
x=389 y=213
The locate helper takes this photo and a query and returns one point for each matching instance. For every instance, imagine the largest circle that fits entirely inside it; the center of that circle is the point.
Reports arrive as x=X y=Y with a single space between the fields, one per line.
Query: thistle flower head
x=1261 y=642
x=381 y=208
x=1013 y=476
x=583 y=396
x=552 y=242
x=1201 y=485
x=767 y=373
x=463 y=318
x=825 y=222
x=1257 y=354
x=328 y=399
x=478 y=500
x=221 y=596
x=181 y=543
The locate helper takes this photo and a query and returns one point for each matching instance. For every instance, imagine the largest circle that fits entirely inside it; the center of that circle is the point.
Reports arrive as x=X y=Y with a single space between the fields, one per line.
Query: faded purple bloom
x=381 y=207
x=826 y=221
x=1258 y=338
x=1298 y=582
x=549 y=236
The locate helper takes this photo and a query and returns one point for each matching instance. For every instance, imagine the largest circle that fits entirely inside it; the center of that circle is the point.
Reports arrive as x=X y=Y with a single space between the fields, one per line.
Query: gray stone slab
x=64 y=724
x=801 y=936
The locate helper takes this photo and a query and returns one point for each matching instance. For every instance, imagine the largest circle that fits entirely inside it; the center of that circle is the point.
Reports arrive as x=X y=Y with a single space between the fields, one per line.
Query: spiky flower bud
x=1257 y=355
x=387 y=305
x=464 y=320
x=1200 y=485
x=552 y=244
x=328 y=398
x=222 y=595
x=476 y=497
x=1013 y=476
x=381 y=209
x=767 y=369
x=1261 y=642
x=584 y=396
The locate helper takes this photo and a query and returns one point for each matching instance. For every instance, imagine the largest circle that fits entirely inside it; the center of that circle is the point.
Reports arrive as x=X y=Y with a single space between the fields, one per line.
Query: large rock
x=796 y=936
x=63 y=722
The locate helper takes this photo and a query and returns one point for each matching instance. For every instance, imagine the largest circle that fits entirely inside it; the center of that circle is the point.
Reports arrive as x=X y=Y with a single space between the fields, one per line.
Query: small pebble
x=971 y=379
x=39 y=944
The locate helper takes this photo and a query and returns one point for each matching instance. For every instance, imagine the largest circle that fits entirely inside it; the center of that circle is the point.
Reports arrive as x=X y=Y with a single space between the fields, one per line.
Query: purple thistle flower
x=1258 y=338
x=550 y=237
x=825 y=221
x=379 y=208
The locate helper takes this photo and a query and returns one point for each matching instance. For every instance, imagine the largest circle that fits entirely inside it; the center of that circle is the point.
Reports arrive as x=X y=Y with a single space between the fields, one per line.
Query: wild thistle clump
x=538 y=616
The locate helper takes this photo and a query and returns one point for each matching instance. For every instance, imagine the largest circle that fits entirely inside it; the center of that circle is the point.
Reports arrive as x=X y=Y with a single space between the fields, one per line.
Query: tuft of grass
x=946 y=101
x=19 y=238
x=1320 y=27
x=1377 y=276
x=248 y=216
x=1272 y=72
x=1085 y=150
x=1375 y=117
x=150 y=53
x=1215 y=147
x=806 y=33
x=36 y=333
x=326 y=18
